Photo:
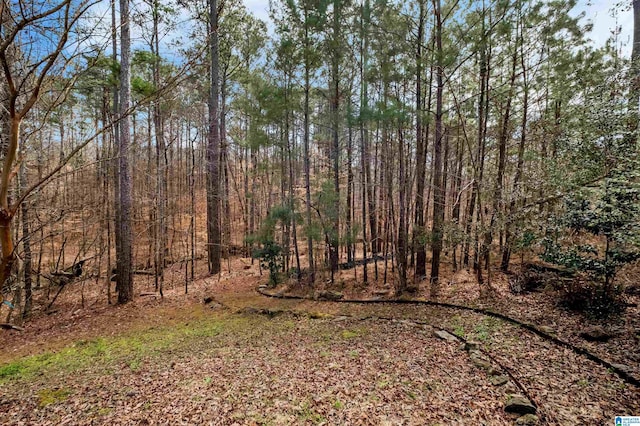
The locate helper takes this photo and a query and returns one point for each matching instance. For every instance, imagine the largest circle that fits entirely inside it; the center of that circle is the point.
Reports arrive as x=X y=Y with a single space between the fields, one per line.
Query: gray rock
x=498 y=380
x=480 y=361
x=520 y=405
x=445 y=336
x=527 y=420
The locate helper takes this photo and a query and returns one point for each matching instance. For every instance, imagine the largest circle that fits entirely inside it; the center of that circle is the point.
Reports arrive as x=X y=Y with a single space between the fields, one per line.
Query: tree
x=634 y=92
x=439 y=193
x=124 y=232
x=27 y=75
x=213 y=147
x=421 y=153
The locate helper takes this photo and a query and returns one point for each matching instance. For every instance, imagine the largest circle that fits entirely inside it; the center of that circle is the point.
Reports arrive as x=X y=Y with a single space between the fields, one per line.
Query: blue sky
x=599 y=12
x=606 y=15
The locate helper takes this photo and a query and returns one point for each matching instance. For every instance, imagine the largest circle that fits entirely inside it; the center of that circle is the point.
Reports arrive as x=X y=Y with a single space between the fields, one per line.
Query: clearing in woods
x=248 y=359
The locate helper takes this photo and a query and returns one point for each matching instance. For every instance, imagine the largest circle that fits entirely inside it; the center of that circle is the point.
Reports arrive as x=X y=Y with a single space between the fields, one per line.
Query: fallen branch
x=7 y=326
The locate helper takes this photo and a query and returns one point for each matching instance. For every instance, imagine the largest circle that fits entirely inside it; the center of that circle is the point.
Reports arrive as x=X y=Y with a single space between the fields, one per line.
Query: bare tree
x=26 y=76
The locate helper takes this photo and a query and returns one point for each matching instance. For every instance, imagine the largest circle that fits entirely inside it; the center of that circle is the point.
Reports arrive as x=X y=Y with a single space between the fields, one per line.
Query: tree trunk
x=124 y=232
x=421 y=161
x=335 y=151
x=502 y=149
x=307 y=171
x=161 y=163
x=508 y=243
x=438 y=193
x=363 y=136
x=213 y=148
x=26 y=244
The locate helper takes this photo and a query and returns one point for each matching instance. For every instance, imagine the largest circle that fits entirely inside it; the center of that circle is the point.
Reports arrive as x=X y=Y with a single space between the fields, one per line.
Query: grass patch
x=485 y=328
x=131 y=348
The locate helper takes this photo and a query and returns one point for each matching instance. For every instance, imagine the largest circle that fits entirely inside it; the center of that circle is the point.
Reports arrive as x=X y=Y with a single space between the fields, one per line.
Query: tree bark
x=307 y=171
x=213 y=147
x=124 y=254
x=438 y=193
x=421 y=161
x=335 y=151
x=26 y=244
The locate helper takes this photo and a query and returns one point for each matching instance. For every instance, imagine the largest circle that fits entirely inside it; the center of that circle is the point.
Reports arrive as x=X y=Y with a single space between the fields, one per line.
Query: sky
x=606 y=15
x=599 y=12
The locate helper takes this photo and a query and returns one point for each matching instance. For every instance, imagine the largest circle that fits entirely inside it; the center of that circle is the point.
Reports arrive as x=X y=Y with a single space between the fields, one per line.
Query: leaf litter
x=245 y=369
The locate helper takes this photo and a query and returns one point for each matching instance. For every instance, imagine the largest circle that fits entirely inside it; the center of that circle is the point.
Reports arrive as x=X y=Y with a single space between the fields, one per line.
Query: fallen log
x=624 y=375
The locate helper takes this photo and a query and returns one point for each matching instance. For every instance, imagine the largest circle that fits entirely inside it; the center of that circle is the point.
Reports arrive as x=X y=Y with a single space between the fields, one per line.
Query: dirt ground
x=177 y=360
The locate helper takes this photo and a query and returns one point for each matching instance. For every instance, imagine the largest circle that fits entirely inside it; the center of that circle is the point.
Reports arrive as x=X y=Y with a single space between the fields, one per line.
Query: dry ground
x=178 y=361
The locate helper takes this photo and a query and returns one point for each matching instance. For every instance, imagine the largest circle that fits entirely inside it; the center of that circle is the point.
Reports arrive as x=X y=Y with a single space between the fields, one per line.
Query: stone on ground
x=520 y=405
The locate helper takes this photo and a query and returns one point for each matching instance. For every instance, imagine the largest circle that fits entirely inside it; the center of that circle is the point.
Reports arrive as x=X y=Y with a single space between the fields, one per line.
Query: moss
x=131 y=348
x=52 y=396
x=350 y=334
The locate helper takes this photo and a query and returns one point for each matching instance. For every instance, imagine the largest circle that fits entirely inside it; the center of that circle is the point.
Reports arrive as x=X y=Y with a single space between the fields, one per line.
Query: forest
x=319 y=212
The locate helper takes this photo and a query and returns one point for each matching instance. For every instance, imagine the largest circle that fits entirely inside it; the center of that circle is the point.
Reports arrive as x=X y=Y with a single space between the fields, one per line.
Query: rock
x=444 y=335
x=382 y=292
x=480 y=360
x=595 y=334
x=498 y=380
x=328 y=295
x=520 y=405
x=471 y=346
x=527 y=420
x=340 y=318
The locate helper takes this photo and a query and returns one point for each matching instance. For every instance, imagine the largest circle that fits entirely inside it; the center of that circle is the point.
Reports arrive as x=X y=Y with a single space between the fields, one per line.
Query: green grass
x=485 y=329
x=131 y=348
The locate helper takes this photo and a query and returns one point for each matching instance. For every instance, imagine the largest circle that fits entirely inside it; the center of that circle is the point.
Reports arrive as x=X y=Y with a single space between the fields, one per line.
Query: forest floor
x=178 y=360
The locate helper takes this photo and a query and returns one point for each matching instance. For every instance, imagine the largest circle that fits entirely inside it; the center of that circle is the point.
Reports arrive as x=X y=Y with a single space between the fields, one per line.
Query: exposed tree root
x=272 y=313
x=530 y=327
